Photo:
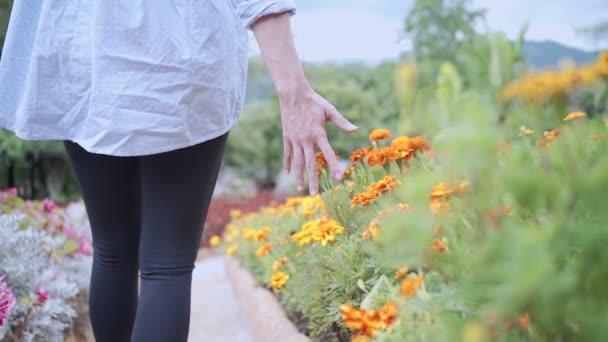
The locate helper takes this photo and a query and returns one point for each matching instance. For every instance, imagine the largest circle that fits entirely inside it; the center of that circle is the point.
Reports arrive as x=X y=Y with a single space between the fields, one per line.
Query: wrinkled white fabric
x=127 y=77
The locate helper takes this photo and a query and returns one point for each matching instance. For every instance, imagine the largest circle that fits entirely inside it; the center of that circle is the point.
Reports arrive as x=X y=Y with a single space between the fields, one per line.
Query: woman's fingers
x=311 y=168
x=298 y=161
x=330 y=157
x=287 y=154
x=339 y=120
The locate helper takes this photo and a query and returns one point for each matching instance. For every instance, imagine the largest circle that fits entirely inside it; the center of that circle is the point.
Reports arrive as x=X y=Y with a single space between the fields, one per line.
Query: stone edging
x=265 y=315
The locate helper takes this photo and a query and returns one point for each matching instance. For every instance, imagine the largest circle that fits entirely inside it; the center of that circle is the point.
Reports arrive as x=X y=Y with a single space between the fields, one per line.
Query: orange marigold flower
x=439 y=207
x=364 y=198
x=263 y=249
x=278 y=280
x=321 y=161
x=548 y=138
x=372 y=230
x=359 y=154
x=278 y=263
x=420 y=144
x=404 y=207
x=379 y=134
x=262 y=234
x=524 y=321
x=353 y=318
x=384 y=185
x=575 y=116
x=360 y=338
x=410 y=285
x=381 y=156
x=440 y=246
x=401 y=271
x=349 y=171
x=440 y=191
x=367 y=323
x=388 y=313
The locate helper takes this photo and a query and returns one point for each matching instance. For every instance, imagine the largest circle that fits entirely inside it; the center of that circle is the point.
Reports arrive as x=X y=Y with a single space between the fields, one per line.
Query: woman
x=143 y=93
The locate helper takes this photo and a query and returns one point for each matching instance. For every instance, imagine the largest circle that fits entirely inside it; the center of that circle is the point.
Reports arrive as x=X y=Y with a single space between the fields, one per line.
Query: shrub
x=481 y=237
x=44 y=262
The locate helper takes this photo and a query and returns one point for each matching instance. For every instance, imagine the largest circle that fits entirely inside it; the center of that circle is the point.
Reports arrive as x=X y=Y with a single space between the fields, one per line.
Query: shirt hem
x=125 y=152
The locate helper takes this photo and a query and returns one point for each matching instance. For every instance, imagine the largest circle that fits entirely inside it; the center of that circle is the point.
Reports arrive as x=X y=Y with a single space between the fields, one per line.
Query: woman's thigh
x=177 y=188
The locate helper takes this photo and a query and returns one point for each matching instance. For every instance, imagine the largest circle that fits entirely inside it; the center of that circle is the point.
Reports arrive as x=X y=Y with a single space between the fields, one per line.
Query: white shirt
x=127 y=77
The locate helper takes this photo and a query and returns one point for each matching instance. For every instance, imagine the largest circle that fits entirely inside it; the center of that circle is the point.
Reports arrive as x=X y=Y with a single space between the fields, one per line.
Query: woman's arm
x=303 y=112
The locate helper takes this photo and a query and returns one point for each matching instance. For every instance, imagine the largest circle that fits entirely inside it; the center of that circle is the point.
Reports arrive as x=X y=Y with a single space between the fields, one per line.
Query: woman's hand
x=303 y=112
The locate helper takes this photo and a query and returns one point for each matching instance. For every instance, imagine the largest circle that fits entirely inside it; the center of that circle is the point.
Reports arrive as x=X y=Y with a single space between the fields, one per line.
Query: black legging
x=146 y=214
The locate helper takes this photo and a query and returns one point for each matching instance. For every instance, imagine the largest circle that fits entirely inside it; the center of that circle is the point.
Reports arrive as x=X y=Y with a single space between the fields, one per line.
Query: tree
x=439 y=29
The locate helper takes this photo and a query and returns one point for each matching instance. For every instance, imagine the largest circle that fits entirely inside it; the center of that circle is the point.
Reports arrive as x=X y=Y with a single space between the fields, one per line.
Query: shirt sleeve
x=251 y=10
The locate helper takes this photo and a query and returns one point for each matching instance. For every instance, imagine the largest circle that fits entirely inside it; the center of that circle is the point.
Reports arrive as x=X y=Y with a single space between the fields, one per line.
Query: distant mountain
x=547 y=53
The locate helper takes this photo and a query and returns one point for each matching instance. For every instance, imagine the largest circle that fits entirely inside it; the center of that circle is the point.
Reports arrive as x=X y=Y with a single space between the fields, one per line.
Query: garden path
x=216 y=314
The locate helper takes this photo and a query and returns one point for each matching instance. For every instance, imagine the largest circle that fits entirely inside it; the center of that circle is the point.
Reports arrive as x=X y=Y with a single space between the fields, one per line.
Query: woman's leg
x=111 y=190
x=177 y=189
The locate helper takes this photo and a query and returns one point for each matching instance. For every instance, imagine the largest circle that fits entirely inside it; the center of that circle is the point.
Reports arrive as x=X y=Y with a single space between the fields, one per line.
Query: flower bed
x=220 y=210
x=44 y=264
x=481 y=237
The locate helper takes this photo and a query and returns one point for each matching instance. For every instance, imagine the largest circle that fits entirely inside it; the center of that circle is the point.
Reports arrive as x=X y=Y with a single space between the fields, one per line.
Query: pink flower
x=48 y=205
x=28 y=205
x=11 y=191
x=69 y=232
x=53 y=219
x=84 y=246
x=42 y=293
x=7 y=300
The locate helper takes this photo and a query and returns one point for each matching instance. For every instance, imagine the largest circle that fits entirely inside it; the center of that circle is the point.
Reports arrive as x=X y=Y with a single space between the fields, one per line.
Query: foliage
x=439 y=30
x=360 y=92
x=43 y=268
x=478 y=239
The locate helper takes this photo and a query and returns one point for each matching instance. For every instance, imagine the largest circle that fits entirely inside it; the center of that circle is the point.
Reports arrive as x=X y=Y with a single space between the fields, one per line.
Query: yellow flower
x=278 y=280
x=263 y=249
x=325 y=231
x=231 y=250
x=360 y=338
x=351 y=184
x=379 y=134
x=410 y=285
x=214 y=241
x=474 y=332
x=401 y=272
x=575 y=116
x=278 y=263
x=304 y=236
x=249 y=233
x=525 y=132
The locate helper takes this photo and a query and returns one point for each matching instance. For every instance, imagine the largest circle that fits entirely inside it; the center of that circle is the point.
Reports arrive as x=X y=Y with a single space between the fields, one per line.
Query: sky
x=371 y=30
